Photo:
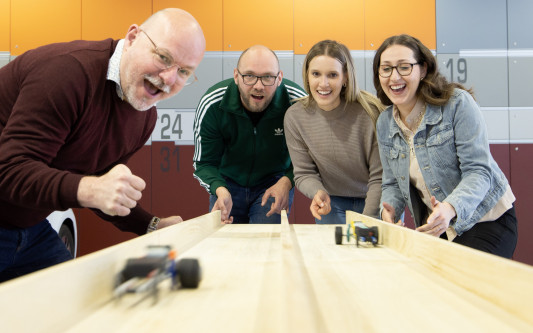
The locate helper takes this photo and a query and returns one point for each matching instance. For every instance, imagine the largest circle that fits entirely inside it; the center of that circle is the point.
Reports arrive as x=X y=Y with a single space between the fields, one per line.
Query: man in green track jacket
x=241 y=157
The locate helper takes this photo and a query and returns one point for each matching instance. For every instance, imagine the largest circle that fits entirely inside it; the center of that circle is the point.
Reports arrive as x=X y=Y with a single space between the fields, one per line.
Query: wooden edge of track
x=73 y=289
x=503 y=282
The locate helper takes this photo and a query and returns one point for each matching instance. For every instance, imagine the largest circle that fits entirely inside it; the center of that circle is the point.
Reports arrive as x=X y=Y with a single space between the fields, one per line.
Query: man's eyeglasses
x=163 y=60
x=250 y=79
x=403 y=69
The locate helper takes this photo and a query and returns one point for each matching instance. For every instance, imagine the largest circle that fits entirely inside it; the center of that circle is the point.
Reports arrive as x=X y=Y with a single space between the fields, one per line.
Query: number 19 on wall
x=456 y=70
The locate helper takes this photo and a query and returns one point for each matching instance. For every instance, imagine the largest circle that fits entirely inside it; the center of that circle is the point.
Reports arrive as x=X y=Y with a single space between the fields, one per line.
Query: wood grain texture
x=56 y=298
x=285 y=278
x=503 y=282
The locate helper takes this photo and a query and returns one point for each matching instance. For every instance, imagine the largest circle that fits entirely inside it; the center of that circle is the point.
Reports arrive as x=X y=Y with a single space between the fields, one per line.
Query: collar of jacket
x=432 y=116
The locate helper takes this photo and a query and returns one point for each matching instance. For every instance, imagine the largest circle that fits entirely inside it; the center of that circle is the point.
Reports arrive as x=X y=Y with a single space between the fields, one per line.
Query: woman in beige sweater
x=331 y=137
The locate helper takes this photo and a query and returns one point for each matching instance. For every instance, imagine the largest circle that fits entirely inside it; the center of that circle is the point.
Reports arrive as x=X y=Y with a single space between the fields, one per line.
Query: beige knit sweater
x=336 y=151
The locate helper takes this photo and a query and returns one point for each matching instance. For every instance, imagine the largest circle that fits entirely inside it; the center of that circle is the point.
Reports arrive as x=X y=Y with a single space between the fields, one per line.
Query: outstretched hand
x=320 y=205
x=168 y=221
x=439 y=220
x=389 y=215
x=280 y=193
x=224 y=203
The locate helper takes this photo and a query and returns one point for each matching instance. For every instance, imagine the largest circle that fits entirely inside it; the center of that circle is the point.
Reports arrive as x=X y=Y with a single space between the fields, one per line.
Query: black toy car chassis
x=359 y=231
x=145 y=273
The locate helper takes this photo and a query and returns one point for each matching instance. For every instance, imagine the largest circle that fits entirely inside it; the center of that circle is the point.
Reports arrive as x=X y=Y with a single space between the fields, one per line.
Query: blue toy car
x=359 y=231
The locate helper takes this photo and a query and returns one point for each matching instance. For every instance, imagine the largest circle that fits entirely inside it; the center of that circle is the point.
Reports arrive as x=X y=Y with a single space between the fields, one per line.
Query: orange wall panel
x=102 y=19
x=258 y=22
x=386 y=18
x=5 y=21
x=207 y=12
x=39 y=22
x=316 y=20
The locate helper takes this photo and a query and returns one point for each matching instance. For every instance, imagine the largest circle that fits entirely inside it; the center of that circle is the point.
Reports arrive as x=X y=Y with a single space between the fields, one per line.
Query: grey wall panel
x=520 y=124
x=471 y=24
x=174 y=125
x=286 y=63
x=520 y=24
x=497 y=120
x=298 y=66
x=208 y=72
x=369 y=72
x=487 y=75
x=521 y=81
x=358 y=58
x=4 y=58
x=229 y=61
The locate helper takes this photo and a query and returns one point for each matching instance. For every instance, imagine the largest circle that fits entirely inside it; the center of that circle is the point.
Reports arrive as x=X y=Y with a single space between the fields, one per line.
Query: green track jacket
x=227 y=144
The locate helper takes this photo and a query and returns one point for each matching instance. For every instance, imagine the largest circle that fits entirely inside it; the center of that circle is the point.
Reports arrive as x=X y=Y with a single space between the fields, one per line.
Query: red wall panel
x=522 y=185
x=174 y=189
x=93 y=232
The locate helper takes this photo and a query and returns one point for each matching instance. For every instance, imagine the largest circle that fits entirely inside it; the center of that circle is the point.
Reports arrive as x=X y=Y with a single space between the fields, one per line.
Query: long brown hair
x=434 y=88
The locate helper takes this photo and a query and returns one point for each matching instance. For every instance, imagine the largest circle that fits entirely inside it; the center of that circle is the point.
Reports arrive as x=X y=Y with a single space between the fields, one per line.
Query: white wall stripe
x=483 y=53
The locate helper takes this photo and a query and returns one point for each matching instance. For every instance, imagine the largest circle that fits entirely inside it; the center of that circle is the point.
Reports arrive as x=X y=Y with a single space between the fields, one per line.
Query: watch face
x=152 y=226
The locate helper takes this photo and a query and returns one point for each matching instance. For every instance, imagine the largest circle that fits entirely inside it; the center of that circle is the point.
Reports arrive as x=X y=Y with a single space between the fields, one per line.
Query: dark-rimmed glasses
x=163 y=60
x=403 y=69
x=250 y=79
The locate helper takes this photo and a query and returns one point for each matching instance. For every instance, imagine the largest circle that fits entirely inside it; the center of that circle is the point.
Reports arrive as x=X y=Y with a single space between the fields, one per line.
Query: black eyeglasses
x=403 y=69
x=250 y=79
x=163 y=60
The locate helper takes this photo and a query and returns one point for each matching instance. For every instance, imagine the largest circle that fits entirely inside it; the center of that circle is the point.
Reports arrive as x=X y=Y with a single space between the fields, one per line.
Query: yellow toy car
x=359 y=231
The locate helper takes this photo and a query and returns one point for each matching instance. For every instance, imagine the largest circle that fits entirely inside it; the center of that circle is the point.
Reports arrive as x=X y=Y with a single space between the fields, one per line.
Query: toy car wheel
x=119 y=279
x=338 y=235
x=189 y=273
x=375 y=236
x=67 y=237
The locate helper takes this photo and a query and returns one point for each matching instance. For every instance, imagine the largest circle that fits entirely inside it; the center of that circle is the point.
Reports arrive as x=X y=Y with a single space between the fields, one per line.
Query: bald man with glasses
x=71 y=115
x=241 y=157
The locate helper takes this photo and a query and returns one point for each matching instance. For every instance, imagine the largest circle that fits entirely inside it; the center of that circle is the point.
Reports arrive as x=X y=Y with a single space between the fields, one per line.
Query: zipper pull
x=255 y=131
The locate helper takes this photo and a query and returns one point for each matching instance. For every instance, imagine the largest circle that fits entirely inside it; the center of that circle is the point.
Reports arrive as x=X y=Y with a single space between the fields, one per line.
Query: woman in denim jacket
x=435 y=153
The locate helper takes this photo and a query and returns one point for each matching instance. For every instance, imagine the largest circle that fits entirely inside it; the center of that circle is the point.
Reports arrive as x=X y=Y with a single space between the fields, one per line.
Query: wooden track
x=283 y=278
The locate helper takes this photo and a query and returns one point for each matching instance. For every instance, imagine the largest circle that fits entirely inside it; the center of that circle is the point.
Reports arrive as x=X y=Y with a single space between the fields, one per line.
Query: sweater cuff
x=68 y=191
x=137 y=221
x=216 y=184
x=290 y=174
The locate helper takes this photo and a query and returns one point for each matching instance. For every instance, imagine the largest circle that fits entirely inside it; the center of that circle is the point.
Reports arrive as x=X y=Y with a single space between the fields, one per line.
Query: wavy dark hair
x=434 y=88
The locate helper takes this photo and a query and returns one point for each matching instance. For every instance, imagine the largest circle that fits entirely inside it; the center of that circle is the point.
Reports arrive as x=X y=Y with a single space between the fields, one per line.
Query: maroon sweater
x=61 y=119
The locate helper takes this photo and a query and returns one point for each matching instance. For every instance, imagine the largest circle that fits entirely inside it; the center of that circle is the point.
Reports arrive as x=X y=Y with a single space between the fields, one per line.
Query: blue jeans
x=339 y=206
x=247 y=202
x=26 y=250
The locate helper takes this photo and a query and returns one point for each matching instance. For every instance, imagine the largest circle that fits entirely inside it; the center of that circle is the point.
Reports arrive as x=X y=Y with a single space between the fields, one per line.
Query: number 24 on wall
x=176 y=126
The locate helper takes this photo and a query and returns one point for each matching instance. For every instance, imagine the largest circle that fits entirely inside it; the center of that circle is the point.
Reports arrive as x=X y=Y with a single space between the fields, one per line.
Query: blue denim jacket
x=452 y=148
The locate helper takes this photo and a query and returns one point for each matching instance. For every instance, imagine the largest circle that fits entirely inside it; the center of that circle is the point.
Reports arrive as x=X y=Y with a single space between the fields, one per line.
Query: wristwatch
x=152 y=226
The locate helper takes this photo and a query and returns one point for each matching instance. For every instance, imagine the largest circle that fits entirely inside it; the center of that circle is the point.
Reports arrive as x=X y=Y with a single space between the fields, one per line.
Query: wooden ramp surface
x=282 y=278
